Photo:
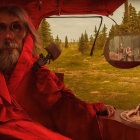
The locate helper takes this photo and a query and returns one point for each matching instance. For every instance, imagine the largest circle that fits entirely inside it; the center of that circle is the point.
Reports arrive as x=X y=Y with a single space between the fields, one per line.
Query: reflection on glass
x=125 y=48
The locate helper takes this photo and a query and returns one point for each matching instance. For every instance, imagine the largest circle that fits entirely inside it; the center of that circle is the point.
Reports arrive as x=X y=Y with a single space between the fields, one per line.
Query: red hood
x=23 y=66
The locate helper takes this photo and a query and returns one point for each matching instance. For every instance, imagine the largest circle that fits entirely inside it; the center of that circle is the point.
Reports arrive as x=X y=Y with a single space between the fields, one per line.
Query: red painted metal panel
x=39 y=9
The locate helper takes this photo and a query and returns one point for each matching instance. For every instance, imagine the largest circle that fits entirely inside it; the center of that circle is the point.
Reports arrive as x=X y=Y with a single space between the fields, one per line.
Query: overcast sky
x=73 y=28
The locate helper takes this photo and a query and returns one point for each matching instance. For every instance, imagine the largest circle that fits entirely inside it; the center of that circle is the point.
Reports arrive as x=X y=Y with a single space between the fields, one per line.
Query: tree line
x=130 y=24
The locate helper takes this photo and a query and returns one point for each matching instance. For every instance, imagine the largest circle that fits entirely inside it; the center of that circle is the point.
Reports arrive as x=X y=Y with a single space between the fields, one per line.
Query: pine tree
x=91 y=39
x=102 y=38
x=66 y=42
x=112 y=31
x=104 y=31
x=57 y=40
x=81 y=44
x=138 y=21
x=123 y=29
x=130 y=23
x=86 y=41
x=95 y=31
x=134 y=23
x=45 y=33
x=126 y=13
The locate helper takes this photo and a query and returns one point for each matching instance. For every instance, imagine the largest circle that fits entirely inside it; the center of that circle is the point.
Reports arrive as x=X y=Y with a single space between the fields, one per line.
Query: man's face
x=12 y=34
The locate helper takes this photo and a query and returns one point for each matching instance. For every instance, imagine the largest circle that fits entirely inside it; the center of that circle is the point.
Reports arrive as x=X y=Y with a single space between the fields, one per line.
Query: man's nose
x=9 y=34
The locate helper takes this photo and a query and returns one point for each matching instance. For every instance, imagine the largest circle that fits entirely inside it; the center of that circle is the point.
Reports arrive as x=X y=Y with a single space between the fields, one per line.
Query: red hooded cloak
x=41 y=97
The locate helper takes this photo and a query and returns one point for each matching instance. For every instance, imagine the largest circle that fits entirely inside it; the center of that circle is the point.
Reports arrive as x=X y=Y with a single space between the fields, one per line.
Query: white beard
x=9 y=58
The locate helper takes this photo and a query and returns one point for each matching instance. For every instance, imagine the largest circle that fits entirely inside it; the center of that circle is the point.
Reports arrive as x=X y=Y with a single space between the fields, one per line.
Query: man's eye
x=2 y=27
x=17 y=27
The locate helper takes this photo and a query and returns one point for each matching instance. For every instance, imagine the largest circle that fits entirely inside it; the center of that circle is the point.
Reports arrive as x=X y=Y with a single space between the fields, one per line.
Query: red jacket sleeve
x=75 y=118
x=71 y=117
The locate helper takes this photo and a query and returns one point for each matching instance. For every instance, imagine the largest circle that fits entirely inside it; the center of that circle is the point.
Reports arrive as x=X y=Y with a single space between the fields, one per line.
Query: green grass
x=92 y=79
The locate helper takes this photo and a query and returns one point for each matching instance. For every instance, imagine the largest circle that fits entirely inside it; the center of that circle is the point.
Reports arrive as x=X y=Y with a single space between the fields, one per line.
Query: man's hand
x=110 y=109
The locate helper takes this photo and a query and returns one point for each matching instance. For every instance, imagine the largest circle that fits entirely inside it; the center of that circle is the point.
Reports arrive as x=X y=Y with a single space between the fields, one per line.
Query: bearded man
x=36 y=104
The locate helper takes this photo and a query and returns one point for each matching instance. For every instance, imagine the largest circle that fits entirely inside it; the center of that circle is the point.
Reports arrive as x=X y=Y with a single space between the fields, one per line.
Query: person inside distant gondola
x=129 y=54
x=120 y=52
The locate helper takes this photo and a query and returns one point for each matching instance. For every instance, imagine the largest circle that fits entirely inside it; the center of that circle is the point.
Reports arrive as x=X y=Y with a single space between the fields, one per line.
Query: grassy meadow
x=93 y=80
